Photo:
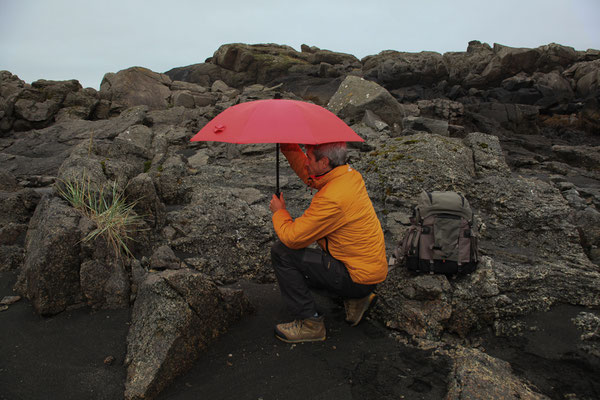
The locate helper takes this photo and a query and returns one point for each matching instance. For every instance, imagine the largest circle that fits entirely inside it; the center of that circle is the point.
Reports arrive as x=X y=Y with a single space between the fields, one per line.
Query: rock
x=373 y=121
x=201 y=74
x=8 y=182
x=487 y=154
x=11 y=257
x=105 y=283
x=425 y=306
x=177 y=314
x=50 y=274
x=400 y=168
x=451 y=111
x=42 y=152
x=8 y=300
x=355 y=96
x=260 y=63
x=413 y=125
x=587 y=221
x=478 y=375
x=465 y=68
x=393 y=69
x=16 y=208
x=508 y=61
x=148 y=204
x=237 y=220
x=518 y=118
x=137 y=86
x=168 y=180
x=555 y=57
x=579 y=156
x=165 y=258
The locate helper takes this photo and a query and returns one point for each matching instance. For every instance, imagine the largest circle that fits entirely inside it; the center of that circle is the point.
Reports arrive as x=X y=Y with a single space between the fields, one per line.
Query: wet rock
x=175 y=316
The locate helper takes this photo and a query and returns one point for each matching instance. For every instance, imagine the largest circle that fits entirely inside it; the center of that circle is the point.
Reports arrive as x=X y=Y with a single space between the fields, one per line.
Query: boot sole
x=283 y=339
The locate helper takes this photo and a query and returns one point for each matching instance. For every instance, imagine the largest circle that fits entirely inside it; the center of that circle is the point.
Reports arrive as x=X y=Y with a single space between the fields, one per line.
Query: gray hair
x=336 y=152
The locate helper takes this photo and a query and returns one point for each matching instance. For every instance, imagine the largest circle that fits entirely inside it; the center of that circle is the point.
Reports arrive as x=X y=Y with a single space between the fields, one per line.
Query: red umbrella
x=277 y=121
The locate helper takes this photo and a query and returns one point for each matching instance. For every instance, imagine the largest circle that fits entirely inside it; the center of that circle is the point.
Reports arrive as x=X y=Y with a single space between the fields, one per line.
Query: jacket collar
x=318 y=182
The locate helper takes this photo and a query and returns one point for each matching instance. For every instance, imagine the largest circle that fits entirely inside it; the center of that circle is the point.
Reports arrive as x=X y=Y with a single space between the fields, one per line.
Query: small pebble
x=109 y=360
x=7 y=300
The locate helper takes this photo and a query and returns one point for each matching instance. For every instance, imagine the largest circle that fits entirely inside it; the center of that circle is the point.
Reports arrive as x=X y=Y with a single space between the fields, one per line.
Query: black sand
x=63 y=357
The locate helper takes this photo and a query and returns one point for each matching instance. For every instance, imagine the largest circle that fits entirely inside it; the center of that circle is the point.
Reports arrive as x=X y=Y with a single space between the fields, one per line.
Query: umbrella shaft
x=277 y=168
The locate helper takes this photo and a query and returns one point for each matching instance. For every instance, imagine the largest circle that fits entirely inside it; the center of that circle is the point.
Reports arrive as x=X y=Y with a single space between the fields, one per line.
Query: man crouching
x=341 y=219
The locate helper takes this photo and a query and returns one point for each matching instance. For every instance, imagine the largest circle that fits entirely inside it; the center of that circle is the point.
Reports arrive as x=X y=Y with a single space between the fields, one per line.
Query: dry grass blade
x=114 y=216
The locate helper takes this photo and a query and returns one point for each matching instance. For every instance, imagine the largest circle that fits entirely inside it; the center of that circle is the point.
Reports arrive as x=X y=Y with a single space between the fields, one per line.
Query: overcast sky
x=83 y=40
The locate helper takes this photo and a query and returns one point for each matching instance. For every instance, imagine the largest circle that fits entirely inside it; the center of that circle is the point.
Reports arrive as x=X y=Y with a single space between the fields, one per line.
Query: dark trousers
x=298 y=271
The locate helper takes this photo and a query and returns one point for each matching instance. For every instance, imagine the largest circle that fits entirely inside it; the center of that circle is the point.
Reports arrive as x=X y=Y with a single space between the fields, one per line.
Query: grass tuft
x=114 y=217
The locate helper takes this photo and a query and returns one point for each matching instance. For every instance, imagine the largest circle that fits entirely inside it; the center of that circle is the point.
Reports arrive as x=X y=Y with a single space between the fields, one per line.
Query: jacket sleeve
x=297 y=160
x=320 y=219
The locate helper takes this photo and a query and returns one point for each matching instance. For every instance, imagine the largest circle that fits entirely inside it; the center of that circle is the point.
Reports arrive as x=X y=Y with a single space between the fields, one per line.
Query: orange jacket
x=340 y=218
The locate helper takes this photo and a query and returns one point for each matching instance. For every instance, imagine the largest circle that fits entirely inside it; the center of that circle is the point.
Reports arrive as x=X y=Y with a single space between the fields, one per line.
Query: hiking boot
x=302 y=330
x=356 y=308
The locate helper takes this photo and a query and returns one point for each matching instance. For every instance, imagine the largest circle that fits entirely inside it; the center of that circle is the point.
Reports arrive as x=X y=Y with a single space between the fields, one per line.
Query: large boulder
x=393 y=69
x=137 y=86
x=177 y=314
x=260 y=63
x=356 y=96
x=465 y=68
x=509 y=61
x=50 y=274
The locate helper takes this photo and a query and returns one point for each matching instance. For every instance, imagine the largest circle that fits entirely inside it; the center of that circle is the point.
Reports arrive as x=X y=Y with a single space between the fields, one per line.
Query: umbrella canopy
x=277 y=121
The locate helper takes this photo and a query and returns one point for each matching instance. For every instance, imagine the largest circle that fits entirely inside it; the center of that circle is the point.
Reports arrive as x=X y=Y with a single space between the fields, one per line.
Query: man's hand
x=277 y=203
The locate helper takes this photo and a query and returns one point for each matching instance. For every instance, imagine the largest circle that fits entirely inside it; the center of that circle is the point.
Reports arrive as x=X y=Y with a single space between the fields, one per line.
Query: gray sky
x=84 y=39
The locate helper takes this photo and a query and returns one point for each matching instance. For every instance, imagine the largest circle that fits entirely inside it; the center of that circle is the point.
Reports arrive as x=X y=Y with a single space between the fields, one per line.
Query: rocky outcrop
x=176 y=315
x=515 y=130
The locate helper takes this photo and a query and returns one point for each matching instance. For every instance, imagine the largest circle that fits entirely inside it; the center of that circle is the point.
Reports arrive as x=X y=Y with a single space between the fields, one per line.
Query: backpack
x=441 y=238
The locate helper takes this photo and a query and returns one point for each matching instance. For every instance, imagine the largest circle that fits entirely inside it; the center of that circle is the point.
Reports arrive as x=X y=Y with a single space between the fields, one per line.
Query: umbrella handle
x=277 y=192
